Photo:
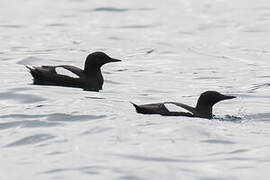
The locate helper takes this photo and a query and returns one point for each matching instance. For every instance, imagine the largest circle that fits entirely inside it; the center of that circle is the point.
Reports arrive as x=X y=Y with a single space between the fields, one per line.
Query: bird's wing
x=36 y=71
x=72 y=69
x=158 y=108
x=189 y=108
x=48 y=75
x=45 y=69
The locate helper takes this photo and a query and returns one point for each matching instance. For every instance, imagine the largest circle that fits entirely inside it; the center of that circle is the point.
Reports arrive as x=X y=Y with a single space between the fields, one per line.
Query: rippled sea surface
x=172 y=51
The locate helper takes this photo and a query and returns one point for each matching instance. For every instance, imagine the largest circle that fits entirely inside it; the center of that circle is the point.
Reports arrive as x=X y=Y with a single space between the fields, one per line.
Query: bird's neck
x=204 y=111
x=94 y=72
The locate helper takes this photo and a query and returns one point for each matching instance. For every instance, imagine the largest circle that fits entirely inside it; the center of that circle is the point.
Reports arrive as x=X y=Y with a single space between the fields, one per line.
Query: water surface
x=172 y=51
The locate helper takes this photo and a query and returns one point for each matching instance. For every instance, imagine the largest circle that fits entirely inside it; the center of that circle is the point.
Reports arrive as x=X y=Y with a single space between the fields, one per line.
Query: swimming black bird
x=203 y=108
x=90 y=78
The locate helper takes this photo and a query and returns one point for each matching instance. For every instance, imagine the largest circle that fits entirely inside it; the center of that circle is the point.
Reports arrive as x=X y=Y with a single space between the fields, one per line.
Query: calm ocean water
x=172 y=51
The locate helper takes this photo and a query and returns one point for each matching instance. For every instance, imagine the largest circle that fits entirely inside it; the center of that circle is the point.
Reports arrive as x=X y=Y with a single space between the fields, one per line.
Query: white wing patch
x=174 y=108
x=63 y=71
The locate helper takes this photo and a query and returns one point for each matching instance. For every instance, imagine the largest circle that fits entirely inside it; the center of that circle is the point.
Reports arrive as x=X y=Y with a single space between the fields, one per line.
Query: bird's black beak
x=225 y=97
x=114 y=60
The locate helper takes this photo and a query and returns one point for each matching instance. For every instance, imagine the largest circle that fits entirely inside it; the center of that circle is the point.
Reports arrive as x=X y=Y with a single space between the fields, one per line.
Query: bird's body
x=203 y=108
x=90 y=78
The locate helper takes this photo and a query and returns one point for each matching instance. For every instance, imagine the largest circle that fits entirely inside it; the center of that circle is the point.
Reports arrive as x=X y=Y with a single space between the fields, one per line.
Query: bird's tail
x=136 y=106
x=32 y=71
x=28 y=67
x=35 y=74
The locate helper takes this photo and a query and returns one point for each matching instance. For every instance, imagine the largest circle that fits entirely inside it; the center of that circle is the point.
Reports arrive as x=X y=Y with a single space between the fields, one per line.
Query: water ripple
x=34 y=139
x=238 y=151
x=138 y=26
x=23 y=98
x=176 y=160
x=84 y=169
x=158 y=159
x=231 y=118
x=55 y=117
x=11 y=26
x=96 y=130
x=57 y=25
x=259 y=86
x=259 y=116
x=130 y=177
x=69 y=117
x=27 y=124
x=110 y=9
x=21 y=116
x=217 y=141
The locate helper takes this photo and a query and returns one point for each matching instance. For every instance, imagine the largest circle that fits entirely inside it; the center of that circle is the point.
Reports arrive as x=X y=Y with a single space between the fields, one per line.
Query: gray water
x=172 y=51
